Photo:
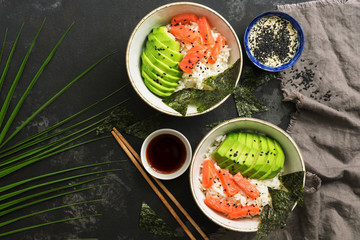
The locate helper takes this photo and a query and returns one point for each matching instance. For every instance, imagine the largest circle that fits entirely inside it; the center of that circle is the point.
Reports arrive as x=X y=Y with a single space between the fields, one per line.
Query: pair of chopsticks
x=135 y=158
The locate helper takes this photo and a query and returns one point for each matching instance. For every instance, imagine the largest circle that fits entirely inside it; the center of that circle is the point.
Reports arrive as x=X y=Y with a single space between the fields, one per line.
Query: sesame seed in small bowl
x=274 y=41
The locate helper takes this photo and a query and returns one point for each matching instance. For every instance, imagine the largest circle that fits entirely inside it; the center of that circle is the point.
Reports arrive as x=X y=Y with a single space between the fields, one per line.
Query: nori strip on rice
x=294 y=184
x=275 y=218
x=180 y=100
x=223 y=85
x=150 y=222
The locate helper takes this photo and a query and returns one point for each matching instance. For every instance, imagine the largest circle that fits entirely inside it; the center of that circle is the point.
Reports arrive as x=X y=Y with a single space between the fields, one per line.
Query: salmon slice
x=239 y=212
x=185 y=34
x=220 y=205
x=216 y=50
x=246 y=186
x=228 y=184
x=193 y=56
x=208 y=173
x=184 y=18
x=205 y=31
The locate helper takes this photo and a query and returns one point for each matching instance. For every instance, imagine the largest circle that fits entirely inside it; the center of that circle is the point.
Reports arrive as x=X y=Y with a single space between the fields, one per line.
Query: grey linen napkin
x=325 y=86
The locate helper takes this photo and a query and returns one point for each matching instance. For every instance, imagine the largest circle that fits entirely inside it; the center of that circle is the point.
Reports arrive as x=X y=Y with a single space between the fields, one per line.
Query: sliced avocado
x=162 y=66
x=159 y=55
x=279 y=163
x=155 y=90
x=233 y=152
x=147 y=63
x=219 y=154
x=156 y=84
x=163 y=35
x=252 y=157
x=262 y=157
x=154 y=43
x=159 y=78
x=271 y=159
x=248 y=159
x=234 y=164
x=244 y=153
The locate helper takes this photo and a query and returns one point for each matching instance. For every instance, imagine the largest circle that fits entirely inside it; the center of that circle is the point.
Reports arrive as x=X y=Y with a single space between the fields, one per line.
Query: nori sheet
x=180 y=100
x=245 y=100
x=294 y=184
x=120 y=118
x=275 y=218
x=150 y=222
x=223 y=85
x=143 y=128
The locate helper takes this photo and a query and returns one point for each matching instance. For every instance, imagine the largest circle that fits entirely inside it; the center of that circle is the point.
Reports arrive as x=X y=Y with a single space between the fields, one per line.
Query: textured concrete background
x=100 y=27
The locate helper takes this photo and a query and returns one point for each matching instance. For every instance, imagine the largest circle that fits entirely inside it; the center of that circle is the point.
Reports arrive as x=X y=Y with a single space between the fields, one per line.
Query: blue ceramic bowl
x=299 y=51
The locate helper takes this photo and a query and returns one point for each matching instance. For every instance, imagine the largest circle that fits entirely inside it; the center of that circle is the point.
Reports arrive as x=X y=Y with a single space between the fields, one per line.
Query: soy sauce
x=166 y=153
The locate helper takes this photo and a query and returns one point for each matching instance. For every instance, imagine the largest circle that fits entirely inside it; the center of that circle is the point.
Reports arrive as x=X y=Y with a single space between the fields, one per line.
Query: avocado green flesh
x=162 y=66
x=162 y=34
x=161 y=56
x=225 y=146
x=262 y=156
x=251 y=154
x=279 y=163
x=154 y=42
x=242 y=140
x=156 y=91
x=252 y=157
x=155 y=84
x=158 y=78
x=146 y=62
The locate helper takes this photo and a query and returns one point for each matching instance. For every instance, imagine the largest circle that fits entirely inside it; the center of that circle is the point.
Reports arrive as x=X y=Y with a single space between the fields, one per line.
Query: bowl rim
x=301 y=37
x=192 y=188
x=127 y=57
x=166 y=176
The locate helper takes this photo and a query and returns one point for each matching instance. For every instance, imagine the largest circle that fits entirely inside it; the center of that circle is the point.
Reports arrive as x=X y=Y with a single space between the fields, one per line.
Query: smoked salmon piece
x=246 y=186
x=184 y=18
x=208 y=173
x=239 y=212
x=228 y=184
x=185 y=34
x=215 y=51
x=219 y=205
x=193 y=56
x=205 y=31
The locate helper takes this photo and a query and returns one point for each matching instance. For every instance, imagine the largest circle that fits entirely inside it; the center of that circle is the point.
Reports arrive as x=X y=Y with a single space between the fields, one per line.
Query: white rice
x=203 y=69
x=217 y=190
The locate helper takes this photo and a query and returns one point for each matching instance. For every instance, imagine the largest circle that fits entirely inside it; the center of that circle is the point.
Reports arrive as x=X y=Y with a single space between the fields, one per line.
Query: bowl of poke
x=247 y=175
x=183 y=59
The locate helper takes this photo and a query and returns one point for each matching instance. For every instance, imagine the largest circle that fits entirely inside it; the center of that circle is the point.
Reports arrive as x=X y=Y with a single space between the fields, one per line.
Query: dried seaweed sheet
x=150 y=222
x=294 y=184
x=223 y=85
x=275 y=218
x=143 y=128
x=120 y=118
x=245 y=100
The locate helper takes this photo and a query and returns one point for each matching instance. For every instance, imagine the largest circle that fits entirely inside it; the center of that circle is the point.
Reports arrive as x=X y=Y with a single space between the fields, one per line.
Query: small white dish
x=152 y=171
x=160 y=17
x=293 y=163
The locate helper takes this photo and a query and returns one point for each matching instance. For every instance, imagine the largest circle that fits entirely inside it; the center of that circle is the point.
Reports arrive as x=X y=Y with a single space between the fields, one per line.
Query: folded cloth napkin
x=325 y=86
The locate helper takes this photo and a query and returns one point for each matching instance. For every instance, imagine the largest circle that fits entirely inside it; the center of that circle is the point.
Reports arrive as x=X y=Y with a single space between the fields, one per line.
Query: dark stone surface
x=101 y=27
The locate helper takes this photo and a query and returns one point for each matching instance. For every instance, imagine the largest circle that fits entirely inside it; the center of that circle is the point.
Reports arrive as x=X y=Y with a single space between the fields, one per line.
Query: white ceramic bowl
x=160 y=17
x=293 y=163
x=146 y=164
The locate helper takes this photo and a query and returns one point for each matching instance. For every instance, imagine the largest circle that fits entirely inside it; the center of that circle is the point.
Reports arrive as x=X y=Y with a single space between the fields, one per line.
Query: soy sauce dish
x=166 y=154
x=274 y=41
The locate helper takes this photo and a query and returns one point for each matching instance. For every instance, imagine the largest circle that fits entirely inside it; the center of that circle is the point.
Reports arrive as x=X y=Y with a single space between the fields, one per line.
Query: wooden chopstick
x=127 y=148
